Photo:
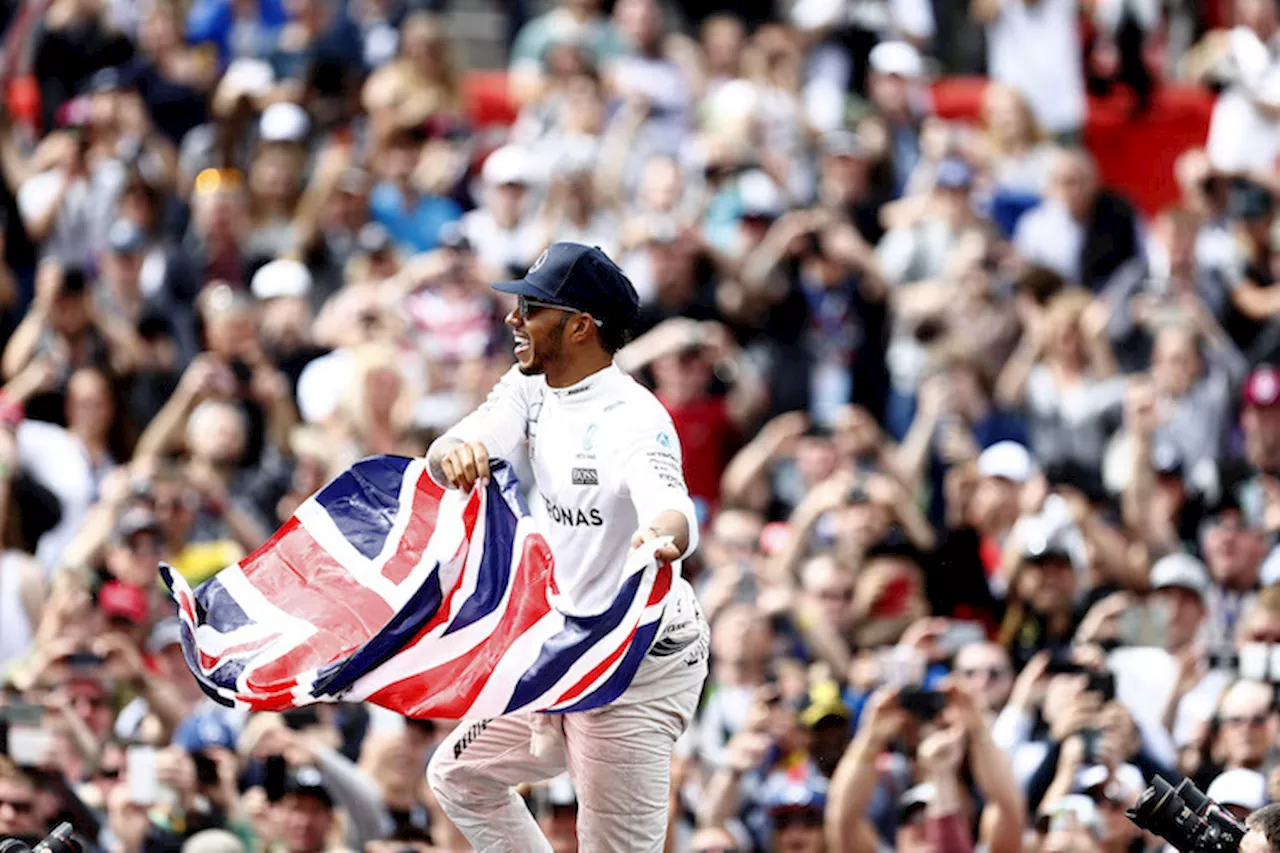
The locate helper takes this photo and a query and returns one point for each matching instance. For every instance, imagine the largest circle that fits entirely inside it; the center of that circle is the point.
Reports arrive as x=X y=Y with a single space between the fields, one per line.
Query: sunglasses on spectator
x=526 y=308
x=1245 y=720
x=108 y=773
x=19 y=806
x=994 y=673
x=836 y=594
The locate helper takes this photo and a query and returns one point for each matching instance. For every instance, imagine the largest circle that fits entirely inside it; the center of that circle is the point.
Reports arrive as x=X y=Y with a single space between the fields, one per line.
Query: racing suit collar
x=589 y=388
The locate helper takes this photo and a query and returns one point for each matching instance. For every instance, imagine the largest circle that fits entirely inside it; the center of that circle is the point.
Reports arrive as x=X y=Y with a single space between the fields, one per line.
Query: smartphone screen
x=140 y=764
x=27 y=742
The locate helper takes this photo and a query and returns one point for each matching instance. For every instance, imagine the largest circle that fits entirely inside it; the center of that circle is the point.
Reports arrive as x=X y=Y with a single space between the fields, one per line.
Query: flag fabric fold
x=385 y=588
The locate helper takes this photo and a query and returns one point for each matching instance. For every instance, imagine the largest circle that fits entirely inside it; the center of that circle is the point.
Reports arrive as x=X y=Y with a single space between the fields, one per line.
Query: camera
x=923 y=704
x=63 y=839
x=1186 y=818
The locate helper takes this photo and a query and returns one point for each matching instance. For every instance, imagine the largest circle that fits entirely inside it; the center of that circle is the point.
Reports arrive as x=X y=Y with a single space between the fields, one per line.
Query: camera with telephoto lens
x=1186 y=818
x=63 y=839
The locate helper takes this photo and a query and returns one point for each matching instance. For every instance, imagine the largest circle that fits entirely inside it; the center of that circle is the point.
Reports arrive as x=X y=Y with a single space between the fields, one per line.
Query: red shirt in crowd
x=706 y=435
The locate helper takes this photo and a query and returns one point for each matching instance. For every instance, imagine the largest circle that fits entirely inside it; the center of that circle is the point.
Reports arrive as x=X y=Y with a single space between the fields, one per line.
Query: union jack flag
x=385 y=588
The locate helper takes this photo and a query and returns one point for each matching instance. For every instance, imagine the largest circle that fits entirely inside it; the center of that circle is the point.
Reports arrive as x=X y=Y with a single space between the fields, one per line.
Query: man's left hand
x=667 y=553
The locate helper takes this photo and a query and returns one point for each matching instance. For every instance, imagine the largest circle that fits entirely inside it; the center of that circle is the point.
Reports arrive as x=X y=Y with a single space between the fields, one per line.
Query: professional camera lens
x=1193 y=796
x=1162 y=811
x=61 y=840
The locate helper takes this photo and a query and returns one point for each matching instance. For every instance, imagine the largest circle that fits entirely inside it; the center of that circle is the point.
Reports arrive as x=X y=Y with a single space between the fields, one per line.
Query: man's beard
x=547 y=352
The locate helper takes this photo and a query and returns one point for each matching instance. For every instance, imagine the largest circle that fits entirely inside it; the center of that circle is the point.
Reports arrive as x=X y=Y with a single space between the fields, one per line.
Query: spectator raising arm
x=940 y=756
x=163 y=433
x=1011 y=387
x=830 y=494
x=855 y=778
x=1003 y=815
x=749 y=467
x=23 y=343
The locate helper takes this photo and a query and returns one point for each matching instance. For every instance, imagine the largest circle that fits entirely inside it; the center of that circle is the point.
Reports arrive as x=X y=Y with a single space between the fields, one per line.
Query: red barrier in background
x=1135 y=155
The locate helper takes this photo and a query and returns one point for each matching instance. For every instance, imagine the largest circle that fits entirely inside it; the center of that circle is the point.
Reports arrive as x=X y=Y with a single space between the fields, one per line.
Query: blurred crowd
x=987 y=460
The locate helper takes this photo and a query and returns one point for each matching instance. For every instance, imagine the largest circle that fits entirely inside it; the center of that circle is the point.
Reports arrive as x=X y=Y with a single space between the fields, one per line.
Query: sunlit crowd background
x=965 y=312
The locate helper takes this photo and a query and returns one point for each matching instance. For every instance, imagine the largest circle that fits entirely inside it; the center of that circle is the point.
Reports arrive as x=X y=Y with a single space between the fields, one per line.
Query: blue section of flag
x=228 y=674
x=219 y=607
x=363 y=502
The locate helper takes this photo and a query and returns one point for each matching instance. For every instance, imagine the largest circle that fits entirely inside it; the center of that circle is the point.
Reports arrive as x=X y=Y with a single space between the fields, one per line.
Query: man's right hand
x=466 y=465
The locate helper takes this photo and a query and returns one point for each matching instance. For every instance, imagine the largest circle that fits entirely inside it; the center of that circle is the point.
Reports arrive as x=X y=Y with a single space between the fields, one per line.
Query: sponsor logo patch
x=571 y=517
x=585 y=477
x=467 y=739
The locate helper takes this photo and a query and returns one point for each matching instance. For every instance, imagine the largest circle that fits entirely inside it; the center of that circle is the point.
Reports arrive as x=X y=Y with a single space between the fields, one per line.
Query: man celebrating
x=606 y=463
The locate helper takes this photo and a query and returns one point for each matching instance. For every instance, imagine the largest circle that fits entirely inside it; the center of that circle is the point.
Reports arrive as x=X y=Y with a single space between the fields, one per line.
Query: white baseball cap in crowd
x=252 y=77
x=1073 y=811
x=760 y=196
x=1239 y=787
x=1180 y=570
x=509 y=164
x=282 y=277
x=284 y=122
x=1007 y=460
x=898 y=58
x=1125 y=785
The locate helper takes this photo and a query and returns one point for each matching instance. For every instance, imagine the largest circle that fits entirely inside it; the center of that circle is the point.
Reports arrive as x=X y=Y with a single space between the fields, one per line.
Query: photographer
x=1264 y=831
x=872 y=768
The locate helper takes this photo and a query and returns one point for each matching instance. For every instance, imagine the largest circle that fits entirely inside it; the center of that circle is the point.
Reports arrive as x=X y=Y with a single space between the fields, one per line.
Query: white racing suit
x=606 y=461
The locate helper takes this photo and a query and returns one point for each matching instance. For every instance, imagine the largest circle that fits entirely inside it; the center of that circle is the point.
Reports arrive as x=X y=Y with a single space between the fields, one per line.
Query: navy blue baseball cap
x=579 y=277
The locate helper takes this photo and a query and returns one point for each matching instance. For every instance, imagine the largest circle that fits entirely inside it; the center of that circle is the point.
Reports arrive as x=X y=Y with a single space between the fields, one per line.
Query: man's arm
x=654 y=478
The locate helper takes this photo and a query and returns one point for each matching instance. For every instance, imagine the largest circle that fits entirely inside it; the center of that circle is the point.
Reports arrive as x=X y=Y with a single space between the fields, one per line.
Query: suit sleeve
x=499 y=423
x=654 y=475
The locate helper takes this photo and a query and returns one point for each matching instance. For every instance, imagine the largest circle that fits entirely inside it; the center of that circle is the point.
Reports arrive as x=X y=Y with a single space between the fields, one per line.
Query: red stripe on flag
x=417 y=533
x=448 y=691
x=661 y=585
x=188 y=607
x=344 y=611
x=280 y=701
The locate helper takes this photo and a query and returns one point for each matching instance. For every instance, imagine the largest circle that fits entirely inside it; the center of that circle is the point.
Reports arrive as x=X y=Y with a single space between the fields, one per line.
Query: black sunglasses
x=524 y=304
